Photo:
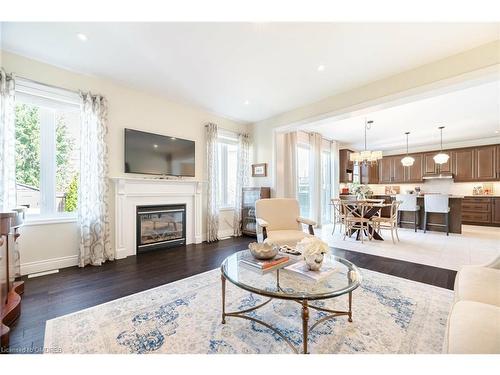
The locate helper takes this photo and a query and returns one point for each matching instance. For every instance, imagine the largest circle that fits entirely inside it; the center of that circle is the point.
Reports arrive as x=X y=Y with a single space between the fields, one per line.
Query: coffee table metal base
x=305 y=316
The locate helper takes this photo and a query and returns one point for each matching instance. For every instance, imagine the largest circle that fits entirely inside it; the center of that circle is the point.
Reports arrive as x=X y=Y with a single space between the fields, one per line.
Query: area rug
x=390 y=315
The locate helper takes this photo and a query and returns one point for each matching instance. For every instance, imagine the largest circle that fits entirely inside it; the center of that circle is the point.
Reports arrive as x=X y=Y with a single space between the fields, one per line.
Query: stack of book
x=300 y=268
x=264 y=265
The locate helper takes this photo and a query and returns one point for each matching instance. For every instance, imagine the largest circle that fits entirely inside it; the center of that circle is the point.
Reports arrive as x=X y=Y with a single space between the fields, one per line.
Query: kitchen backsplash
x=438 y=186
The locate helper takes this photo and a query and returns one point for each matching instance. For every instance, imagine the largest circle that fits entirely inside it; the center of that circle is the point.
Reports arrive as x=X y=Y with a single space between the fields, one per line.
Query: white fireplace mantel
x=131 y=192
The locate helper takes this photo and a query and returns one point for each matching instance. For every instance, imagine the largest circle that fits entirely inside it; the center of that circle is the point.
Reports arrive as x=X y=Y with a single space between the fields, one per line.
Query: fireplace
x=160 y=226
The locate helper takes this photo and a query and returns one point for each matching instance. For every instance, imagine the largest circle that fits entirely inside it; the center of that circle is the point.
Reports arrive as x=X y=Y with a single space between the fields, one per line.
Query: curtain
x=7 y=142
x=315 y=178
x=212 y=187
x=334 y=152
x=286 y=165
x=242 y=179
x=93 y=215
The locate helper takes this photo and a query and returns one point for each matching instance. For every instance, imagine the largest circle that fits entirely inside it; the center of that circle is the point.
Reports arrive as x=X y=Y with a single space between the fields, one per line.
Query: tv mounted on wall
x=148 y=153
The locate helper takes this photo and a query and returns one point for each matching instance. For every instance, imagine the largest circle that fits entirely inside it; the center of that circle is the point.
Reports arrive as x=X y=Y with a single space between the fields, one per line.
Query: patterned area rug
x=391 y=315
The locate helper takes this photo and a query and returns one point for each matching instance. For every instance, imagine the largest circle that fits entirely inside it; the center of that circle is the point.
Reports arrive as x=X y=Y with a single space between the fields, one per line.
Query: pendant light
x=366 y=156
x=407 y=161
x=441 y=158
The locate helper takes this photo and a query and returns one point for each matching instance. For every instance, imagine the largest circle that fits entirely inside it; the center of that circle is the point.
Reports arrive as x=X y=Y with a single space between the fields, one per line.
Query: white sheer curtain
x=242 y=179
x=286 y=165
x=315 y=178
x=93 y=215
x=335 y=167
x=7 y=142
x=212 y=188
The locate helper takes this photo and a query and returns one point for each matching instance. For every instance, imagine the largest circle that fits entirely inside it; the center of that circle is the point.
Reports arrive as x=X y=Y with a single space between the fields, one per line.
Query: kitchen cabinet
x=485 y=163
x=498 y=161
x=385 y=170
x=463 y=165
x=346 y=166
x=369 y=174
x=495 y=210
x=430 y=167
x=392 y=171
x=414 y=173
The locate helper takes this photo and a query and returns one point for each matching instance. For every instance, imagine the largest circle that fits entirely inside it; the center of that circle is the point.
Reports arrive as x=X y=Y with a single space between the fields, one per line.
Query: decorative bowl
x=263 y=250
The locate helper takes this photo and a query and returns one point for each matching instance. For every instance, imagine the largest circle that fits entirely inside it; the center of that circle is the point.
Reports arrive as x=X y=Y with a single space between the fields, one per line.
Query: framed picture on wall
x=259 y=170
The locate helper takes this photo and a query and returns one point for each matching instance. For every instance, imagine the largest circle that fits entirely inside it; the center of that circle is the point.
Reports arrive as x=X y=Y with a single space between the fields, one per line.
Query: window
x=228 y=165
x=47 y=149
x=303 y=186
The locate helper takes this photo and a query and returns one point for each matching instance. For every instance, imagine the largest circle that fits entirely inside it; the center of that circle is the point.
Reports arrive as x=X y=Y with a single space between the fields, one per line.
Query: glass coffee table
x=286 y=285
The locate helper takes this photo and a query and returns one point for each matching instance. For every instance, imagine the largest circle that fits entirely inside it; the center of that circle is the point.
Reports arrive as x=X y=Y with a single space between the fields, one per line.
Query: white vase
x=314 y=262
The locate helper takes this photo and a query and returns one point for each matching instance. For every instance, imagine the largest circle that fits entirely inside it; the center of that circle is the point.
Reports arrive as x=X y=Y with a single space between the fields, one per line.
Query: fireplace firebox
x=160 y=226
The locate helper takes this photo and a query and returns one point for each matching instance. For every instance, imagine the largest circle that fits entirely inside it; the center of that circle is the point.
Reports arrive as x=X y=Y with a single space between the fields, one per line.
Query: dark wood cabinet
x=485 y=163
x=346 y=166
x=385 y=170
x=481 y=210
x=392 y=171
x=495 y=210
x=369 y=174
x=430 y=167
x=463 y=165
x=415 y=172
x=498 y=161
x=250 y=196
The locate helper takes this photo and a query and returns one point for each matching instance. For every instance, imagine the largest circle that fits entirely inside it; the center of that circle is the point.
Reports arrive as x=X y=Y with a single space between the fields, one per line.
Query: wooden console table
x=10 y=290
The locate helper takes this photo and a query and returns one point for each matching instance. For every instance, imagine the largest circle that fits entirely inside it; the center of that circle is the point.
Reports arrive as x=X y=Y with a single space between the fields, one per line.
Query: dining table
x=373 y=209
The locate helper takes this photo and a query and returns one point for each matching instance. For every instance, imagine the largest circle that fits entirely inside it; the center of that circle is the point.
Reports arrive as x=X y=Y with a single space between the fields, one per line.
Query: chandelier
x=441 y=158
x=366 y=156
x=407 y=161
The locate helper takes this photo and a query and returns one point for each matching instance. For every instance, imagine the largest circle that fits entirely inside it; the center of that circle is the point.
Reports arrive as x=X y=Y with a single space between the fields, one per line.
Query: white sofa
x=474 y=322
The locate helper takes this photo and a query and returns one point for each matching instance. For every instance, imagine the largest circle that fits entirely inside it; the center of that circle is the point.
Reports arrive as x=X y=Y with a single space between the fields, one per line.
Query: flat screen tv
x=148 y=153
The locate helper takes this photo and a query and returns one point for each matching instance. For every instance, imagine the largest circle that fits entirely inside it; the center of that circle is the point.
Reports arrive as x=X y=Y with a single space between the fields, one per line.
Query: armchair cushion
x=303 y=220
x=262 y=222
x=286 y=237
x=280 y=213
x=473 y=329
x=480 y=284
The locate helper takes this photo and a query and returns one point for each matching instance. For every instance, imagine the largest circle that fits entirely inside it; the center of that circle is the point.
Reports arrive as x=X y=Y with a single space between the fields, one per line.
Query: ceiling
x=468 y=114
x=243 y=71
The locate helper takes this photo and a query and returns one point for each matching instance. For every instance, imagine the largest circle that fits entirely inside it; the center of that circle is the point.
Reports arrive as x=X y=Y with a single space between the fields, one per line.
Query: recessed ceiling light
x=82 y=37
x=155 y=146
x=247 y=102
x=497 y=131
x=321 y=68
x=173 y=138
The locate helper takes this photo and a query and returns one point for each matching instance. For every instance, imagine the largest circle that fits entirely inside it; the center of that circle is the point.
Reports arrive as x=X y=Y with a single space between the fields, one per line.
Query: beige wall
x=410 y=81
x=129 y=108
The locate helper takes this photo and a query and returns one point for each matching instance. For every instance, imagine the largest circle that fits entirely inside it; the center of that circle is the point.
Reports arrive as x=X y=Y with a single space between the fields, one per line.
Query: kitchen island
x=407 y=218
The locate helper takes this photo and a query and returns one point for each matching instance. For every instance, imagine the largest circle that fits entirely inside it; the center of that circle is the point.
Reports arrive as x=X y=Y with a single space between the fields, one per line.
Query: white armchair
x=280 y=221
x=473 y=323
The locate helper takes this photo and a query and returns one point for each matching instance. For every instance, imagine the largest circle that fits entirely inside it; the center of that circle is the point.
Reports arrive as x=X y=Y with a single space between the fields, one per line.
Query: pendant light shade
x=407 y=161
x=366 y=156
x=441 y=157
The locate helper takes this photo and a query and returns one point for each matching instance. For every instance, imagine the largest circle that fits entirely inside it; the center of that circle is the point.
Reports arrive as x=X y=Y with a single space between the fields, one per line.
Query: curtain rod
x=47 y=84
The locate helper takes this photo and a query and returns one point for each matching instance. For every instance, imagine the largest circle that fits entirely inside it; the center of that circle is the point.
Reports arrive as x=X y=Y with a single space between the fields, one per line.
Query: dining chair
x=391 y=222
x=338 y=214
x=355 y=218
x=408 y=203
x=437 y=203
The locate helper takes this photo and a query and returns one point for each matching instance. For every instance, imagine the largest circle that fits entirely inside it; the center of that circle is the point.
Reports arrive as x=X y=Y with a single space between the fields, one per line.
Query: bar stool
x=437 y=203
x=408 y=203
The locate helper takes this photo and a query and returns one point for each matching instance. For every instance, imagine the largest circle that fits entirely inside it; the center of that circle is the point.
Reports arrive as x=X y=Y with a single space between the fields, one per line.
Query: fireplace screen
x=160 y=226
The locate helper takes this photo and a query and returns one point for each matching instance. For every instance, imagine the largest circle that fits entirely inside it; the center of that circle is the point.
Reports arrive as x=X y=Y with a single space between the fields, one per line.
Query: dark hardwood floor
x=74 y=288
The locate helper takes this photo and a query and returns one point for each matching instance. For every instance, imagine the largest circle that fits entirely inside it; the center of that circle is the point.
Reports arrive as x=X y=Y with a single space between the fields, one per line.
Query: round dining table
x=373 y=210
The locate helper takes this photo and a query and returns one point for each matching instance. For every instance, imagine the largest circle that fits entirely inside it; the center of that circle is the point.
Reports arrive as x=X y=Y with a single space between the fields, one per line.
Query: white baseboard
x=48 y=264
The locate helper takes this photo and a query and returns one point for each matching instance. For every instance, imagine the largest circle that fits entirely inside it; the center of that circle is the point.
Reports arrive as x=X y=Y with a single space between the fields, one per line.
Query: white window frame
x=47 y=98
x=225 y=139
